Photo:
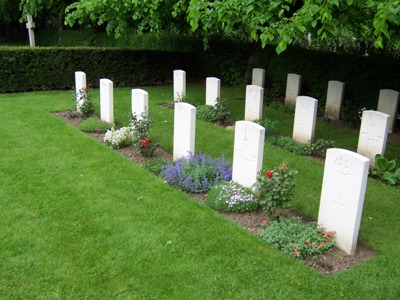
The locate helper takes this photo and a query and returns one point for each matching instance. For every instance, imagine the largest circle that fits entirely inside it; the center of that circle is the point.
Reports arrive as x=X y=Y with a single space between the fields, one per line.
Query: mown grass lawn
x=79 y=221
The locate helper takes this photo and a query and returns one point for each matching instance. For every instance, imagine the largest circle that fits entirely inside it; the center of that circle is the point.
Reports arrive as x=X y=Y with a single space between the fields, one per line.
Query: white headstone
x=80 y=89
x=258 y=77
x=342 y=196
x=388 y=103
x=213 y=90
x=184 y=129
x=373 y=134
x=248 y=152
x=305 y=119
x=254 y=103
x=334 y=99
x=107 y=100
x=139 y=103
x=179 y=85
x=293 y=87
x=30 y=25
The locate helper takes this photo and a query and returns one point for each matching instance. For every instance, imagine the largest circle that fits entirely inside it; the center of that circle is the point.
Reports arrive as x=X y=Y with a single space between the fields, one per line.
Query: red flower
x=329 y=233
x=307 y=242
x=269 y=174
x=265 y=222
x=145 y=143
x=328 y=240
x=293 y=246
x=321 y=245
x=297 y=253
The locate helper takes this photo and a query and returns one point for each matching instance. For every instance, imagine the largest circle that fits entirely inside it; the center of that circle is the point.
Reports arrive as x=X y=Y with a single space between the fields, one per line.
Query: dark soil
x=329 y=263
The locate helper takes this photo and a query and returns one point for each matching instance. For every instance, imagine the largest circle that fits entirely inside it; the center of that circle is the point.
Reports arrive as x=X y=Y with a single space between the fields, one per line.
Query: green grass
x=80 y=221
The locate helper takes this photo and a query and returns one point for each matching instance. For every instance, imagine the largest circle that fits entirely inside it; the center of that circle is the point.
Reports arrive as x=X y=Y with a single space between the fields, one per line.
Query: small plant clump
x=275 y=188
x=94 y=125
x=217 y=113
x=229 y=196
x=197 y=172
x=318 y=148
x=154 y=165
x=297 y=239
x=140 y=126
x=84 y=102
x=118 y=138
x=386 y=170
x=270 y=127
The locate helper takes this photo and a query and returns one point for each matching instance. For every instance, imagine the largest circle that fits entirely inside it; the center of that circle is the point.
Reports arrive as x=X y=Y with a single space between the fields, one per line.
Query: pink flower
x=269 y=174
x=145 y=143
x=265 y=222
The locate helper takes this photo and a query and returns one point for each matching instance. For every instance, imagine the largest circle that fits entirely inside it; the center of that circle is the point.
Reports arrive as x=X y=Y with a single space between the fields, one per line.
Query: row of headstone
x=139 y=98
x=388 y=101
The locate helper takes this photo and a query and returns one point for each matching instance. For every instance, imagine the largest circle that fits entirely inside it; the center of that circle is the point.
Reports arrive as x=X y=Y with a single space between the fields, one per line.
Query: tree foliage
x=266 y=22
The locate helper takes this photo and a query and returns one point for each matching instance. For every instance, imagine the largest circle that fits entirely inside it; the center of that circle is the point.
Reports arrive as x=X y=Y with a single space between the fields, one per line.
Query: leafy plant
x=140 y=126
x=217 y=113
x=318 y=148
x=297 y=239
x=189 y=99
x=84 y=102
x=154 y=165
x=196 y=173
x=229 y=196
x=94 y=125
x=118 y=138
x=386 y=170
x=269 y=125
x=281 y=107
x=275 y=188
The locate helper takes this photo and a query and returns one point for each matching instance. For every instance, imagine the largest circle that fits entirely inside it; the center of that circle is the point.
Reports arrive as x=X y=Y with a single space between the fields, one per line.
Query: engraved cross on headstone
x=30 y=25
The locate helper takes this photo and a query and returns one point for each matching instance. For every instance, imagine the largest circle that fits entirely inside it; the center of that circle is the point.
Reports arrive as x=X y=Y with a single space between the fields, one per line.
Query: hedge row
x=27 y=69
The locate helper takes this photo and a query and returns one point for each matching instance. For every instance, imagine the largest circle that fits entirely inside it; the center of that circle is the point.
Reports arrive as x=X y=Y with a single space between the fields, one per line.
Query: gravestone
x=80 y=89
x=258 y=77
x=388 y=103
x=304 y=119
x=106 y=101
x=139 y=103
x=213 y=90
x=30 y=25
x=334 y=99
x=373 y=134
x=293 y=87
x=254 y=102
x=184 y=129
x=342 y=196
x=179 y=85
x=248 y=152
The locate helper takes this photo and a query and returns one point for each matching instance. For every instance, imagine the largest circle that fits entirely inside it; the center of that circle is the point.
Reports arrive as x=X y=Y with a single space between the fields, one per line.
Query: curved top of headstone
x=184 y=105
x=306 y=98
x=376 y=113
x=249 y=123
x=345 y=152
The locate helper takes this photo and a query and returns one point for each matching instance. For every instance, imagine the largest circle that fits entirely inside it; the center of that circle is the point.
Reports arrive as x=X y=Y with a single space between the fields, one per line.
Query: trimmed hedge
x=27 y=69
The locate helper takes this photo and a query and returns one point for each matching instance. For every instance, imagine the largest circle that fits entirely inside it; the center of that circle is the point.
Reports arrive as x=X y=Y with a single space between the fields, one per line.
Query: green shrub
x=269 y=125
x=289 y=144
x=229 y=196
x=281 y=107
x=318 y=148
x=297 y=239
x=218 y=113
x=140 y=126
x=275 y=188
x=94 y=125
x=154 y=165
